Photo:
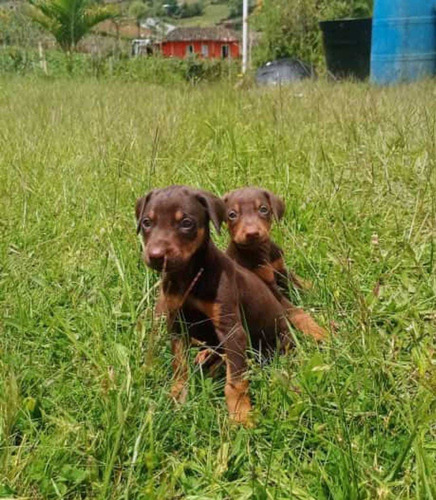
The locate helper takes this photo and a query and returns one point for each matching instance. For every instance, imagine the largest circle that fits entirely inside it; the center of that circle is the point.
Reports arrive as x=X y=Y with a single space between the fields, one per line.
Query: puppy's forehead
x=247 y=196
x=175 y=202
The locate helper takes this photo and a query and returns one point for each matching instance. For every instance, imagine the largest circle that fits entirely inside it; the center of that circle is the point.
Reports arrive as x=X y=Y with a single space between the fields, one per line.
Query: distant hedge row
x=148 y=69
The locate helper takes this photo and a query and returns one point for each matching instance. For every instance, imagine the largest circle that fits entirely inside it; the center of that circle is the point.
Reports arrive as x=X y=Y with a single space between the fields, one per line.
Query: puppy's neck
x=178 y=282
x=253 y=255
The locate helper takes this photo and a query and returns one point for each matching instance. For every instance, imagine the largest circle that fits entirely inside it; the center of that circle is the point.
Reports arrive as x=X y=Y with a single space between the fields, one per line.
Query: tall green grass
x=150 y=70
x=85 y=372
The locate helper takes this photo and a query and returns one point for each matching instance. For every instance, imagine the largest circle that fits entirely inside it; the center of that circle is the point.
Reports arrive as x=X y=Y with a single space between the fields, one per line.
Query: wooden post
x=42 y=60
x=244 y=36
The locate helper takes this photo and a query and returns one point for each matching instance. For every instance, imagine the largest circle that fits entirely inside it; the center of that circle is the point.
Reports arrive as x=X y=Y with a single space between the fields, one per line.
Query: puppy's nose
x=157 y=257
x=252 y=233
x=156 y=253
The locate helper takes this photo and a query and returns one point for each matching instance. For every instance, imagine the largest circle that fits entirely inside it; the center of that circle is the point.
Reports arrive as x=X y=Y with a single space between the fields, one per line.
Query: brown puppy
x=250 y=214
x=204 y=291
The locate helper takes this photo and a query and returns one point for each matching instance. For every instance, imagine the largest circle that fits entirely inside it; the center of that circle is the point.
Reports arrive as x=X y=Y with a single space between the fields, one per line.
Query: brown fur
x=250 y=214
x=205 y=291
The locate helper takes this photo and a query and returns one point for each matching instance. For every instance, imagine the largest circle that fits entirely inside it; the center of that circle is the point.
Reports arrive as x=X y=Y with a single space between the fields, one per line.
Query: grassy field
x=213 y=14
x=84 y=406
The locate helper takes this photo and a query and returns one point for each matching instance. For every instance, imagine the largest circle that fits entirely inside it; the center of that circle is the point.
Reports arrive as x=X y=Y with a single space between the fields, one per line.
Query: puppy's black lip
x=155 y=266
x=251 y=243
x=168 y=266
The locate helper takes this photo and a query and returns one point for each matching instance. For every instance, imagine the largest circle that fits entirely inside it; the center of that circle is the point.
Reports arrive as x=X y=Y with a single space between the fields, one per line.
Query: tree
x=290 y=27
x=172 y=8
x=235 y=7
x=17 y=29
x=191 y=9
x=138 y=10
x=337 y=9
x=69 y=20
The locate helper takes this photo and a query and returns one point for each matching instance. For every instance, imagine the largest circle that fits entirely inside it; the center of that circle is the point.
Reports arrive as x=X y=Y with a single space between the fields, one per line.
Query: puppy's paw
x=242 y=418
x=318 y=333
x=238 y=403
x=179 y=392
x=209 y=360
x=306 y=324
x=203 y=356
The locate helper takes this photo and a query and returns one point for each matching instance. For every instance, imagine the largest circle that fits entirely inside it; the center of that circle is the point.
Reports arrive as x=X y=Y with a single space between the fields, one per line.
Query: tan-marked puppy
x=250 y=214
x=204 y=291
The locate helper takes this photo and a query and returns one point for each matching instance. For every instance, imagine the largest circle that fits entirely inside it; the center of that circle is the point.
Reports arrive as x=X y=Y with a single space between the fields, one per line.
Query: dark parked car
x=283 y=71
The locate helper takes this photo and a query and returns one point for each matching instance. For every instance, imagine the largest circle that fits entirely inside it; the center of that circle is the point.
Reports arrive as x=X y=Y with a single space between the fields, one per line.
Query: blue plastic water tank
x=403 y=40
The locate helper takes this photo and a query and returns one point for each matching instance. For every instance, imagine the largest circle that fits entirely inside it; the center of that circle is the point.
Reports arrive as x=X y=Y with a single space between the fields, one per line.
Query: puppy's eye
x=232 y=215
x=264 y=210
x=186 y=223
x=146 y=223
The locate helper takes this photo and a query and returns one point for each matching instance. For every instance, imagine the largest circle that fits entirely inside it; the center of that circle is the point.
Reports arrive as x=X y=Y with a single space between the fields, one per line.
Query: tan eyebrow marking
x=178 y=215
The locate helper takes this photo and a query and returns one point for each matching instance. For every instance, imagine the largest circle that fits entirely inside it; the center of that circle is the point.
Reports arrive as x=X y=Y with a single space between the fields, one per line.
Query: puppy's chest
x=199 y=294
x=259 y=265
x=210 y=308
x=265 y=273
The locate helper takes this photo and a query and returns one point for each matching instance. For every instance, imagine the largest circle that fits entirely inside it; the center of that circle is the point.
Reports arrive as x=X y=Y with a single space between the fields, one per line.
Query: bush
x=15 y=60
x=17 y=29
x=155 y=69
x=338 y=9
x=184 y=10
x=235 y=7
x=198 y=70
x=290 y=28
x=191 y=9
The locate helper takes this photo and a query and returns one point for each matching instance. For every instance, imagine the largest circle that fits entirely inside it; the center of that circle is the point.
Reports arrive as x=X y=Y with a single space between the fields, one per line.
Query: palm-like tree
x=69 y=20
x=138 y=10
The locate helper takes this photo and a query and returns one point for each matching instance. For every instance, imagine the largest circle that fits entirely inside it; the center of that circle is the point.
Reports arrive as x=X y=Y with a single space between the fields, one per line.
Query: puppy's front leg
x=169 y=306
x=179 y=348
x=234 y=340
x=232 y=337
x=304 y=322
x=299 y=318
x=282 y=276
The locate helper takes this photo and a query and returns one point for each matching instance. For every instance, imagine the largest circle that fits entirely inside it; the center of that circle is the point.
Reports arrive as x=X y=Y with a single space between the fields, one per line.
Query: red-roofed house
x=209 y=43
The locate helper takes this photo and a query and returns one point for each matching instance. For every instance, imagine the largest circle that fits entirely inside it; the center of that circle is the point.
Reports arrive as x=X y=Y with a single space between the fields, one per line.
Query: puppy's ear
x=214 y=206
x=226 y=198
x=277 y=204
x=141 y=203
